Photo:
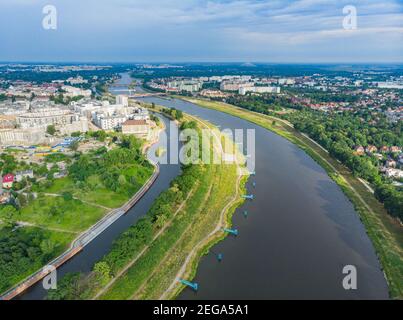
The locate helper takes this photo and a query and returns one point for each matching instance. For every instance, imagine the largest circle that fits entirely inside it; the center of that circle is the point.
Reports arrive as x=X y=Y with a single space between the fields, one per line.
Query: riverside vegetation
x=145 y=260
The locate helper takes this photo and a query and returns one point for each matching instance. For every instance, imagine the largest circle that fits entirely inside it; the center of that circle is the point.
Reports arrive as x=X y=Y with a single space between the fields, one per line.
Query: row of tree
x=340 y=133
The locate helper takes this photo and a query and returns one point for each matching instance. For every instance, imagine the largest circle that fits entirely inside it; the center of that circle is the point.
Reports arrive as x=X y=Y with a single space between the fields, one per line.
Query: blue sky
x=199 y=30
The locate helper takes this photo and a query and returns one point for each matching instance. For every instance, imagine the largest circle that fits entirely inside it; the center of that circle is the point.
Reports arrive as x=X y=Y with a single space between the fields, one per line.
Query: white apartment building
x=75 y=92
x=122 y=100
x=109 y=122
x=244 y=90
x=235 y=85
x=286 y=81
x=46 y=117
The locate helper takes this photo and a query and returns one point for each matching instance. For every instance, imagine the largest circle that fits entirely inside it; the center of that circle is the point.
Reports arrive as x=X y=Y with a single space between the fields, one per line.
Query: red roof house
x=8 y=181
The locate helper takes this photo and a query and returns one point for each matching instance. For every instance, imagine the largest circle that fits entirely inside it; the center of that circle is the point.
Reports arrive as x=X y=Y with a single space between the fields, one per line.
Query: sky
x=274 y=31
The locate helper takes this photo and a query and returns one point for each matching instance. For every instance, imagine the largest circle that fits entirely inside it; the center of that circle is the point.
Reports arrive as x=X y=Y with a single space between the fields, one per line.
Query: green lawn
x=55 y=212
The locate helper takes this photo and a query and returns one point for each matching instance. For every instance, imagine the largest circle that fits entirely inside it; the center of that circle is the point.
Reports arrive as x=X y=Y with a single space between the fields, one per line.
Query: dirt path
x=124 y=270
x=83 y=201
x=170 y=250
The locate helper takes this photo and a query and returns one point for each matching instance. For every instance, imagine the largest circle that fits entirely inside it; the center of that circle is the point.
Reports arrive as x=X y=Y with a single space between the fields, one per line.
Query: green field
x=386 y=234
x=57 y=213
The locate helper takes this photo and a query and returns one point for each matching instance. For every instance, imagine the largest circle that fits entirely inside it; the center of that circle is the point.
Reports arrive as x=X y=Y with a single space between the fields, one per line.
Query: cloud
x=199 y=29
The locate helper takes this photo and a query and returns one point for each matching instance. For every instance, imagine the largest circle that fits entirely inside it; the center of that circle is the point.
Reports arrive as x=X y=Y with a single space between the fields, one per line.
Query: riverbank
x=384 y=232
x=195 y=224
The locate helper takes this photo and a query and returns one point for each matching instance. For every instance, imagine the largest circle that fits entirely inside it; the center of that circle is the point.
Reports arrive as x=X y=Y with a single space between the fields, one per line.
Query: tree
x=103 y=273
x=8 y=215
x=74 y=145
x=51 y=130
x=67 y=196
x=22 y=199
x=47 y=246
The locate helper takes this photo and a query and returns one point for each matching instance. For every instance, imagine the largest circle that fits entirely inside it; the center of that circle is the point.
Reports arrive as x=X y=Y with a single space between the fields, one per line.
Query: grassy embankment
x=385 y=233
x=157 y=268
x=63 y=209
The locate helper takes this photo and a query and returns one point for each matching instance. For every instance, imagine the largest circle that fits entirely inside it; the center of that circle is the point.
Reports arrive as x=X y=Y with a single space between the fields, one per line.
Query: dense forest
x=262 y=103
x=21 y=251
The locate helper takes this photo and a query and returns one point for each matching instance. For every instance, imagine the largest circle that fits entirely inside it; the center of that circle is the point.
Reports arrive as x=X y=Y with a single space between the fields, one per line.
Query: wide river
x=301 y=230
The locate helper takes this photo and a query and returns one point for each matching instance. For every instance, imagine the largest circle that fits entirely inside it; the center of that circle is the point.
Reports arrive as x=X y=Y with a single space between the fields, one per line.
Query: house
x=391 y=163
x=394 y=173
x=8 y=181
x=395 y=149
x=61 y=174
x=385 y=149
x=5 y=197
x=371 y=149
x=359 y=150
x=20 y=175
x=139 y=128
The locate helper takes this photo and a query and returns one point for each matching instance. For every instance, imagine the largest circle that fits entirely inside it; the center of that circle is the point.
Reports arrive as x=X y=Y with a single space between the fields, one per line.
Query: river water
x=300 y=232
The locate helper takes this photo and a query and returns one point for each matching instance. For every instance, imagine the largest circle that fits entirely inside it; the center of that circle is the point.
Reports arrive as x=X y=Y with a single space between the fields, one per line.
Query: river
x=300 y=232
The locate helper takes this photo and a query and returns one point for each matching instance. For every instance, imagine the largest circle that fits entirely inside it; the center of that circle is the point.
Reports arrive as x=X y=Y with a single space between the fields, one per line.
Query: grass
x=385 y=233
x=156 y=270
x=56 y=213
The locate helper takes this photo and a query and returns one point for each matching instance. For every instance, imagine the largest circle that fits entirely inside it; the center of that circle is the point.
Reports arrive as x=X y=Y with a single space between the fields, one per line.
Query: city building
x=139 y=128
x=122 y=100
x=46 y=117
x=20 y=175
x=245 y=90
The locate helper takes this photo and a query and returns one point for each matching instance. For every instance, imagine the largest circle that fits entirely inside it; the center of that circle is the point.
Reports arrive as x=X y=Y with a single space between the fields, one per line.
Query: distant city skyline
x=304 y=31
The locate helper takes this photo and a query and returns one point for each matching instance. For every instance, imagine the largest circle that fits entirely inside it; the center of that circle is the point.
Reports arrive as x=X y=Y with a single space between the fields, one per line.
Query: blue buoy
x=232 y=231
x=191 y=285
x=248 y=196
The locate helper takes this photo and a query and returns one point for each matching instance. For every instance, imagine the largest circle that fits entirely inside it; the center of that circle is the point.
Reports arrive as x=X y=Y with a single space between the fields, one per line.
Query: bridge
x=146 y=94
